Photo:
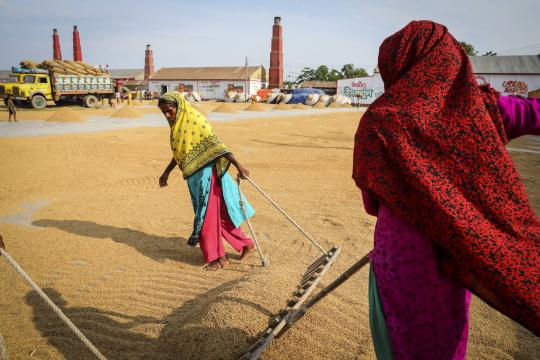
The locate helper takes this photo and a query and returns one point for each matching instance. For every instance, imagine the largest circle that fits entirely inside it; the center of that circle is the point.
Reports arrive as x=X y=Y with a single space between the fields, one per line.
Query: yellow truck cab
x=7 y=87
x=35 y=88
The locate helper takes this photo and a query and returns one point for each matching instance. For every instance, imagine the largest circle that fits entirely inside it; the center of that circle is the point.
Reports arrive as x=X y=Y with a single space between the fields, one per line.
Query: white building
x=510 y=75
x=209 y=82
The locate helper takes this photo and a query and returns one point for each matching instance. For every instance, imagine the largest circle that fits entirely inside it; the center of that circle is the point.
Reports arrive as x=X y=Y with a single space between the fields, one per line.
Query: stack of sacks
x=70 y=67
x=312 y=99
x=230 y=96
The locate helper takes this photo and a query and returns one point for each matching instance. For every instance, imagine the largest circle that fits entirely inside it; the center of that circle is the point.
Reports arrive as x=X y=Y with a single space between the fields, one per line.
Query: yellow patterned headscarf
x=193 y=141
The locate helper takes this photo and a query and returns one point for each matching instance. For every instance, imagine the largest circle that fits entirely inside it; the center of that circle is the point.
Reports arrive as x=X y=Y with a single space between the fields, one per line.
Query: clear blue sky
x=220 y=33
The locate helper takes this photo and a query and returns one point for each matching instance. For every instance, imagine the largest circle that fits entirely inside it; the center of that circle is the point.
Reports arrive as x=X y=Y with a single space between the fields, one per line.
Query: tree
x=334 y=75
x=349 y=71
x=306 y=74
x=469 y=49
x=489 y=53
x=323 y=73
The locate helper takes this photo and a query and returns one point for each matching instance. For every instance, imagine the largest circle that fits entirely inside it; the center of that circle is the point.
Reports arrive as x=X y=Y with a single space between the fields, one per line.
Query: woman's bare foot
x=218 y=264
x=246 y=251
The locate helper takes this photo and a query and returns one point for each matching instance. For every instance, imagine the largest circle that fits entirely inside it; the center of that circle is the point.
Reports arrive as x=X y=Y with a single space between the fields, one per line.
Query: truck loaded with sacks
x=61 y=81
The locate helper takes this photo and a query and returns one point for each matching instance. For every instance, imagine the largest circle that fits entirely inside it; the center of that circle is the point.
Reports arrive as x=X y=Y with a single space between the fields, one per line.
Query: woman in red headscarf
x=452 y=211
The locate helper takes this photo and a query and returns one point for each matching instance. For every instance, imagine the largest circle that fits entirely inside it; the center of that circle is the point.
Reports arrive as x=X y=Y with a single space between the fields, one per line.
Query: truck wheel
x=38 y=102
x=90 y=101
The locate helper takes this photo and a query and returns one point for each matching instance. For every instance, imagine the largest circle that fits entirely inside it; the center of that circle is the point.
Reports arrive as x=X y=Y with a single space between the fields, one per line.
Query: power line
x=523 y=48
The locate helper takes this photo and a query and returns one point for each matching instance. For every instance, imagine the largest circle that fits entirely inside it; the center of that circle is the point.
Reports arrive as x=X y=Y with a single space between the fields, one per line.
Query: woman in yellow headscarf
x=204 y=162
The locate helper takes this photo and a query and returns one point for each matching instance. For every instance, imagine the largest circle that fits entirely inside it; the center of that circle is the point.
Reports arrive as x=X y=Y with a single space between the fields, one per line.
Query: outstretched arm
x=165 y=176
x=520 y=116
x=242 y=171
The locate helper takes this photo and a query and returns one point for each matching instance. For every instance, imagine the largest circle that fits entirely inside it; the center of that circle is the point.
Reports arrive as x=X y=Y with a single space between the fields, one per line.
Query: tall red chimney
x=77 y=52
x=148 y=63
x=57 y=54
x=276 y=56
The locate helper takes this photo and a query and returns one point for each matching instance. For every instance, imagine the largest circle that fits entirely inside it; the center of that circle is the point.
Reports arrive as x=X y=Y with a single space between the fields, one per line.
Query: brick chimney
x=77 y=52
x=148 y=63
x=57 y=54
x=276 y=56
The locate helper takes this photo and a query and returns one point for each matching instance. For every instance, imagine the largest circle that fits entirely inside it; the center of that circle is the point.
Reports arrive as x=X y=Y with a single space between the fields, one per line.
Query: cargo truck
x=37 y=86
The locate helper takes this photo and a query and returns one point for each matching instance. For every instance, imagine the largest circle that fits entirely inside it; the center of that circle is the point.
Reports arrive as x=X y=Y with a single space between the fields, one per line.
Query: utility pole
x=246 y=77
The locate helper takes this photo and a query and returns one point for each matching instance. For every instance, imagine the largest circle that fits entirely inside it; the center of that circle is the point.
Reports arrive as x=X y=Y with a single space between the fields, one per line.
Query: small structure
x=328 y=87
x=510 y=75
x=4 y=76
x=209 y=82
x=132 y=79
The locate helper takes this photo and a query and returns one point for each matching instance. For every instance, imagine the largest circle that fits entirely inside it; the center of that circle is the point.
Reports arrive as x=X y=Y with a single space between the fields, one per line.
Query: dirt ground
x=84 y=215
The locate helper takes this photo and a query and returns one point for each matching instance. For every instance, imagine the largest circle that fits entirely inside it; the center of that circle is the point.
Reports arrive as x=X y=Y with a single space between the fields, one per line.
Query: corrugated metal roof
x=205 y=73
x=4 y=74
x=137 y=74
x=518 y=64
x=319 y=84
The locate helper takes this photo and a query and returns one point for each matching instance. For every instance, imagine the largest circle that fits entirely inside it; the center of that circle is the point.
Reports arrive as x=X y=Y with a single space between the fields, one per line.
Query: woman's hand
x=242 y=171
x=163 y=179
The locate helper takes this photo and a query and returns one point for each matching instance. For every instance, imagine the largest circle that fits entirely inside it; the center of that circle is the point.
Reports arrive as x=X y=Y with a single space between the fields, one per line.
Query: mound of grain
x=255 y=107
x=65 y=115
x=334 y=105
x=282 y=106
x=224 y=108
x=319 y=105
x=202 y=109
x=127 y=112
x=300 y=106
x=346 y=106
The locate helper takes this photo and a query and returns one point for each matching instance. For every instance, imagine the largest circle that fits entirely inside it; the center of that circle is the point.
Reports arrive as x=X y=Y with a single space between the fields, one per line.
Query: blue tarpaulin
x=299 y=96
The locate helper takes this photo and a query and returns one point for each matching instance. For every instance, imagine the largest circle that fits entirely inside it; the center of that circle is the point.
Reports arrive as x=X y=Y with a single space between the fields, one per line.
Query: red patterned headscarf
x=431 y=149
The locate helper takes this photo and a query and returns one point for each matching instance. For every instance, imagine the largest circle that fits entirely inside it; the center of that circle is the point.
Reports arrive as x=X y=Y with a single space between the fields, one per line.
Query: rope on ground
x=287 y=216
x=3 y=350
x=52 y=305
x=264 y=259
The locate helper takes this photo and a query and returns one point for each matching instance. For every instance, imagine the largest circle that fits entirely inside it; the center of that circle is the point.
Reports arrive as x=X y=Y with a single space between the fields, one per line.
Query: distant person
x=204 y=162
x=11 y=108
x=452 y=212
x=117 y=96
x=111 y=104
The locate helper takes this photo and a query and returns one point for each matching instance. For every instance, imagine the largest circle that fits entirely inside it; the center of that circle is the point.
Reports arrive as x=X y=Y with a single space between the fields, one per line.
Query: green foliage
x=469 y=49
x=489 y=53
x=349 y=71
x=323 y=73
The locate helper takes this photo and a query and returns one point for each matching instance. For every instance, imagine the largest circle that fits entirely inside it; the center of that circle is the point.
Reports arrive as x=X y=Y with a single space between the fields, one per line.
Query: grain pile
x=65 y=115
x=127 y=112
x=333 y=105
x=318 y=105
x=205 y=110
x=224 y=108
x=300 y=106
x=255 y=107
x=283 y=106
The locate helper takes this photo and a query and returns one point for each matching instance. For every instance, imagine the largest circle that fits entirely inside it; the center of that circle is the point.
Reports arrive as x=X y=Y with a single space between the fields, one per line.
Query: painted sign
x=511 y=84
x=362 y=90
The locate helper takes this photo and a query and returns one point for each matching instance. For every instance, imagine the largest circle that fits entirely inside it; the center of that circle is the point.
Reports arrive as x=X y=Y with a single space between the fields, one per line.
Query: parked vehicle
x=36 y=86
